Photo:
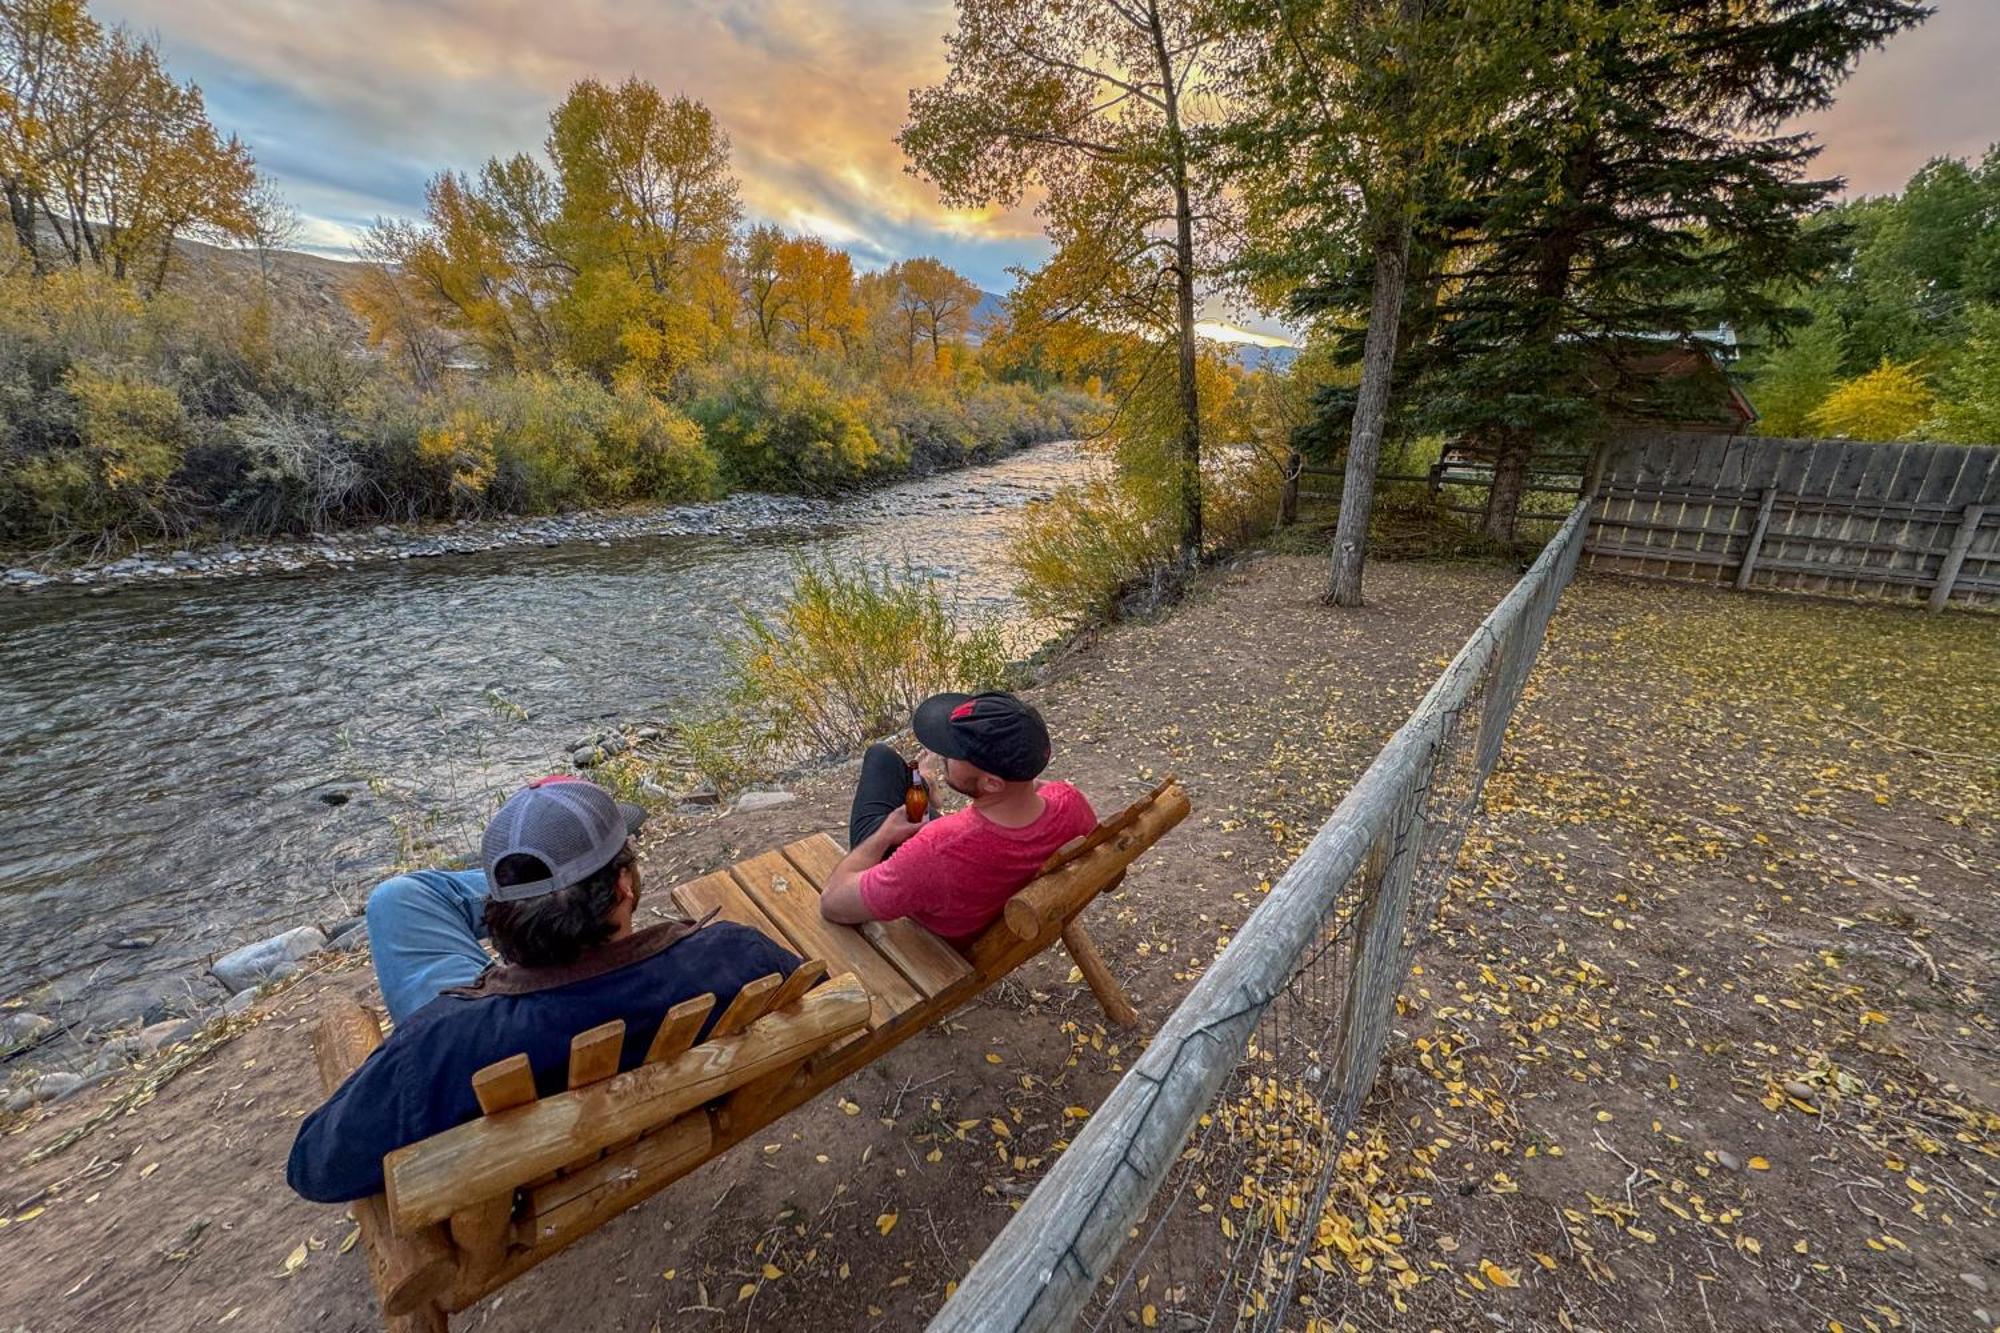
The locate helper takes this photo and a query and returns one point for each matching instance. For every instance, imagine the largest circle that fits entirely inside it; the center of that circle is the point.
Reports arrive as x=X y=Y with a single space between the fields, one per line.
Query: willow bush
x=849 y=653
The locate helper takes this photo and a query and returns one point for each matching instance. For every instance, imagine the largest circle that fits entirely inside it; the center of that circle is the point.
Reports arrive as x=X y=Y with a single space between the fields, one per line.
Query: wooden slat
x=608 y=1186
x=747 y=1007
x=719 y=892
x=679 y=1028
x=804 y=977
x=784 y=894
x=926 y=961
x=504 y=1085
x=593 y=1055
x=478 y=1159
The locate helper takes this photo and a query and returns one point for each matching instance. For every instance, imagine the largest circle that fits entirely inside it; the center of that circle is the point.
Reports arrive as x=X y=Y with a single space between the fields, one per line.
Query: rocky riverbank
x=734 y=516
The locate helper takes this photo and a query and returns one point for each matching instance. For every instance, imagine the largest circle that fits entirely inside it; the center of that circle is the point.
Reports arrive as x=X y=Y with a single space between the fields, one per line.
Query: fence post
x=1749 y=565
x=1288 y=499
x=1954 y=559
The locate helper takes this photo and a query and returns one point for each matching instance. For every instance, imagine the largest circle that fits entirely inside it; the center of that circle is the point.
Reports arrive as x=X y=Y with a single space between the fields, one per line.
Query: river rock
x=240 y=1001
x=333 y=930
x=763 y=800
x=1729 y=1161
x=354 y=937
x=18 y=1029
x=166 y=1033
x=50 y=1086
x=705 y=794
x=259 y=962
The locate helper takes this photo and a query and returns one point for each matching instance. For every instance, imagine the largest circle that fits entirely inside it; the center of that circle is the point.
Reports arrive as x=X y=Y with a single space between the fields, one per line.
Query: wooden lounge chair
x=474 y=1207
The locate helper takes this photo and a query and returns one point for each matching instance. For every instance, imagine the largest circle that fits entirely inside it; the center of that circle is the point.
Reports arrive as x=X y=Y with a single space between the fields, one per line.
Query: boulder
x=50 y=1086
x=705 y=794
x=763 y=800
x=256 y=963
x=19 y=1029
x=354 y=937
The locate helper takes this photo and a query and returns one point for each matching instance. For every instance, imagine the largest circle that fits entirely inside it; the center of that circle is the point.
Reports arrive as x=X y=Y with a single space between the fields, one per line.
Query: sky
x=353 y=104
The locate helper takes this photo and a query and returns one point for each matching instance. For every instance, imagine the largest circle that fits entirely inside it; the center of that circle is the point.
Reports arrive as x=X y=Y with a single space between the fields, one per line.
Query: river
x=193 y=766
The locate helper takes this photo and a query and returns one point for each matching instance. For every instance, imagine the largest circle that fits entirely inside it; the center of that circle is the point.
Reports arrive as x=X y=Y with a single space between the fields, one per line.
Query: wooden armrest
x=1055 y=896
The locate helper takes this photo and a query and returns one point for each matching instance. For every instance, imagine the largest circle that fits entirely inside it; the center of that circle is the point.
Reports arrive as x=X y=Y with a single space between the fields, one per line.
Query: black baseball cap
x=993 y=729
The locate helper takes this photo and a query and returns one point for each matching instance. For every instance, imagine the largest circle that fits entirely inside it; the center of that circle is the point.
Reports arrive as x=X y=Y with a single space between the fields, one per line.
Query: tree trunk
x=21 y=212
x=1190 y=395
x=1510 y=482
x=1371 y=411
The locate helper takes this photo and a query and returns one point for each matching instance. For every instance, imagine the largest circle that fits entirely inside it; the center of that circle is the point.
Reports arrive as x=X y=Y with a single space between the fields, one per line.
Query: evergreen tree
x=1637 y=187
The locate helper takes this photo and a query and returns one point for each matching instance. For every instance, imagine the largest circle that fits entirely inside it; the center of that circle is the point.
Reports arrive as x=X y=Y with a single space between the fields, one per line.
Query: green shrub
x=117 y=476
x=536 y=444
x=776 y=425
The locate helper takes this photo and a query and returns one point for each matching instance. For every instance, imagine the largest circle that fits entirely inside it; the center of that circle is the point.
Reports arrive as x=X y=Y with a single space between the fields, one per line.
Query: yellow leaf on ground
x=1759 y=1164
x=1149 y=1316
x=886 y=1223
x=1544 y=1260
x=848 y=1107
x=295 y=1260
x=772 y=1272
x=745 y=1292
x=348 y=1243
x=1497 y=1275
x=992 y=1059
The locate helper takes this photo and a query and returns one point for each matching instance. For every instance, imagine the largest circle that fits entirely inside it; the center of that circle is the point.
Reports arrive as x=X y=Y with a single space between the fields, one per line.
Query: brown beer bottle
x=917 y=800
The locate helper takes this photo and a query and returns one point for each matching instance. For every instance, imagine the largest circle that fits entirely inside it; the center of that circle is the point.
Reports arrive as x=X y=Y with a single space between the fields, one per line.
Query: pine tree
x=1637 y=187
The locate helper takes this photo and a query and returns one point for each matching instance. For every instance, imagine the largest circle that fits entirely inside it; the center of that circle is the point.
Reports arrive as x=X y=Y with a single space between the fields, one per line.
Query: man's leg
x=885 y=780
x=424 y=931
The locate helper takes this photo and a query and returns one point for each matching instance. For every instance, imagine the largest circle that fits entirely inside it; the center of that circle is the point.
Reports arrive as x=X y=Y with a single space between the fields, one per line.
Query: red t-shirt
x=956 y=873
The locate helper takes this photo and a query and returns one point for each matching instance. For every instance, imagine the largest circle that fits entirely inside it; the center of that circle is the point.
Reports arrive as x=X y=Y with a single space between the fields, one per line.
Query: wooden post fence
x=1348 y=911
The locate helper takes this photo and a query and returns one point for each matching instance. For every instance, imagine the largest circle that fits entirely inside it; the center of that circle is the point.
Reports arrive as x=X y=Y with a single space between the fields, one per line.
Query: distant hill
x=1250 y=356
x=307 y=289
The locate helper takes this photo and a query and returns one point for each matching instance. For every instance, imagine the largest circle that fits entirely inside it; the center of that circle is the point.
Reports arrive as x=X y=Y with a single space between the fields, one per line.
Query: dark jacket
x=419 y=1081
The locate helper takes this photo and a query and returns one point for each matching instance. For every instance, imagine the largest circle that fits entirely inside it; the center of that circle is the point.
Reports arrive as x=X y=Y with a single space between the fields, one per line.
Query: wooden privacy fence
x=1832 y=516
x=1217 y=1149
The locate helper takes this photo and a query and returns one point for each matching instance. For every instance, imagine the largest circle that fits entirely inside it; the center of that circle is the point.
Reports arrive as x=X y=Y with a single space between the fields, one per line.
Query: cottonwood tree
x=613 y=262
x=937 y=303
x=1096 y=103
x=103 y=152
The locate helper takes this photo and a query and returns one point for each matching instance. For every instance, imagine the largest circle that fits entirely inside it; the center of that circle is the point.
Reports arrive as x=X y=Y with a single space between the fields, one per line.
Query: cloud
x=352 y=106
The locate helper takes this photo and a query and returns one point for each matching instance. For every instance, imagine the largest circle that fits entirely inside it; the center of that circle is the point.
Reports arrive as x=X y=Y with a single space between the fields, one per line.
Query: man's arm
x=840 y=901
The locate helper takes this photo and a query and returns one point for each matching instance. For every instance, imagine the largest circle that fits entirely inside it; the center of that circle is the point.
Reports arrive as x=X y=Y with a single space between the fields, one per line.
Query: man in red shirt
x=954 y=873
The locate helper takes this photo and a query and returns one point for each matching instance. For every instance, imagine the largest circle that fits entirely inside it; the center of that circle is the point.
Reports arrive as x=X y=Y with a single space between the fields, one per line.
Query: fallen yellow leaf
x=886 y=1223
x=1759 y=1164
x=1497 y=1275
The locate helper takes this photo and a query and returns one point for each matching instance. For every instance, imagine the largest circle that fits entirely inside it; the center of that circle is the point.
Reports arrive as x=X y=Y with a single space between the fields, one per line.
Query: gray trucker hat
x=571 y=826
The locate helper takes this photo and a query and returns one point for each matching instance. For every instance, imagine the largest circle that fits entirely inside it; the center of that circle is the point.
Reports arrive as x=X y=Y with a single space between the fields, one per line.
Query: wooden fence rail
x=1287 y=1026
x=1829 y=516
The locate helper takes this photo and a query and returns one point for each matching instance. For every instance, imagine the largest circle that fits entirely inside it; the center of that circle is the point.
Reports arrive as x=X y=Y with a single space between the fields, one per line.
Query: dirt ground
x=1711 y=916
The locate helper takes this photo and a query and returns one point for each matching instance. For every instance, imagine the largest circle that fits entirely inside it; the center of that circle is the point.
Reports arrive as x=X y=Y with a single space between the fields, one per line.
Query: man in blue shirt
x=556 y=895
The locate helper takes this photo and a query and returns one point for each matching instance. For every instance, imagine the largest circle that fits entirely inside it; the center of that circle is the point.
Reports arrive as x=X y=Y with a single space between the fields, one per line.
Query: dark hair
x=557 y=928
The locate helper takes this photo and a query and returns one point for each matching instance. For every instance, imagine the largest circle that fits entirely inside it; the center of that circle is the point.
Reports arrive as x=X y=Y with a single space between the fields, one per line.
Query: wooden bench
x=470 y=1209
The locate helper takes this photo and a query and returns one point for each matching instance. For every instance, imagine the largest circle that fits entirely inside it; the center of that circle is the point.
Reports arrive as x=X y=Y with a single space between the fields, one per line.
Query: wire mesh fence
x=1218 y=1186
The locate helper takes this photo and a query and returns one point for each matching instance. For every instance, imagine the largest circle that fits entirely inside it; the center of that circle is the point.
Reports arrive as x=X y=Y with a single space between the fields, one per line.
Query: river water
x=192 y=766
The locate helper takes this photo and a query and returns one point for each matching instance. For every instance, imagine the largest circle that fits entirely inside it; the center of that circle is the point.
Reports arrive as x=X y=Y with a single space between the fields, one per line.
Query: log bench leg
x=1110 y=997
x=408 y=1273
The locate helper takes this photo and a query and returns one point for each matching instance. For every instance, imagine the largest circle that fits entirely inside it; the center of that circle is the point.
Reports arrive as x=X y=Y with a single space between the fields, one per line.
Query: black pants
x=885 y=781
